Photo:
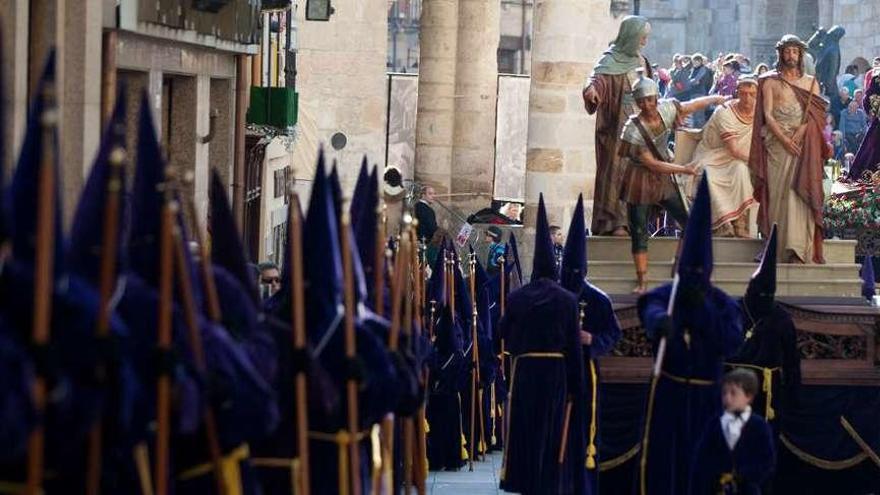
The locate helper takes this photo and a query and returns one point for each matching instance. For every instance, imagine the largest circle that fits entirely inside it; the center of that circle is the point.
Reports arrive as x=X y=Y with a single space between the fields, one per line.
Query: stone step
x=602 y=248
x=848 y=288
x=731 y=271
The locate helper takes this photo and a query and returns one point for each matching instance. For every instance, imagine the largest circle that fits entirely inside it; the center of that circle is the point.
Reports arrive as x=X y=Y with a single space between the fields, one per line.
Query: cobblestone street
x=483 y=481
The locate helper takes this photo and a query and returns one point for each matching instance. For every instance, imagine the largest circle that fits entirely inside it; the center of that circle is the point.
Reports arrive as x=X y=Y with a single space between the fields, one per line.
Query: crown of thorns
x=789 y=40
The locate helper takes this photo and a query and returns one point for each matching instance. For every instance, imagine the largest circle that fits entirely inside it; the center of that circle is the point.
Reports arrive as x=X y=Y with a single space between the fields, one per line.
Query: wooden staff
x=298 y=323
x=431 y=320
x=387 y=428
x=107 y=284
x=379 y=263
x=350 y=353
x=451 y=282
x=43 y=283
x=503 y=304
x=163 y=383
x=563 y=442
x=475 y=360
x=212 y=300
x=406 y=256
x=198 y=352
x=421 y=468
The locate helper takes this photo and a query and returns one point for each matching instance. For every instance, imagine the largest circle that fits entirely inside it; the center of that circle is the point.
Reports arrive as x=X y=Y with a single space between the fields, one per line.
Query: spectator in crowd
x=679 y=87
x=838 y=105
x=661 y=77
x=859 y=97
x=700 y=80
x=496 y=250
x=745 y=64
x=875 y=67
x=853 y=122
x=726 y=85
x=828 y=131
x=270 y=279
x=427 y=228
x=838 y=145
x=848 y=79
x=761 y=69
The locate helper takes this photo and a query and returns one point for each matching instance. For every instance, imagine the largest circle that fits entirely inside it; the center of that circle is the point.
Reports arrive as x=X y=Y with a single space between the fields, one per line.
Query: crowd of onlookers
x=693 y=76
x=847 y=121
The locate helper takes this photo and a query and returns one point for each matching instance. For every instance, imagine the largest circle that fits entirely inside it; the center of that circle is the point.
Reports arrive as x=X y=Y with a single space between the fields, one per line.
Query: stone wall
x=862 y=39
x=560 y=160
x=342 y=85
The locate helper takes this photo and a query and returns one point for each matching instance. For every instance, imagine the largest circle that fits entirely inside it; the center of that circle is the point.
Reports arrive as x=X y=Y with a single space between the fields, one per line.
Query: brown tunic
x=609 y=212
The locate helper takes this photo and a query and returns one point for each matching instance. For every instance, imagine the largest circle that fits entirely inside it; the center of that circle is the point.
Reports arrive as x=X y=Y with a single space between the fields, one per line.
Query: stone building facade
x=189 y=62
x=752 y=27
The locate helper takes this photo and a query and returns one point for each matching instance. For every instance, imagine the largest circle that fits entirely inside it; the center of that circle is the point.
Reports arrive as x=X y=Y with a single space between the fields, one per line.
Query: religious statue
x=825 y=49
x=787 y=155
x=608 y=94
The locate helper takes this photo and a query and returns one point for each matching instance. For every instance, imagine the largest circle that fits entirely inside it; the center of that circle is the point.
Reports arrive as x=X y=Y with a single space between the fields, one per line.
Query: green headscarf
x=623 y=55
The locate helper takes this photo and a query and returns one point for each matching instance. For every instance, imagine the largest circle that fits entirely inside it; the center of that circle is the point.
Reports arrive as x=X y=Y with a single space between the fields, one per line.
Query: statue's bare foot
x=620 y=232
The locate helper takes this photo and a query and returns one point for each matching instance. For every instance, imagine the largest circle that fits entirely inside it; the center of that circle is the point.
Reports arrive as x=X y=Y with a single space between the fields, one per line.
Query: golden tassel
x=768 y=389
x=591 y=448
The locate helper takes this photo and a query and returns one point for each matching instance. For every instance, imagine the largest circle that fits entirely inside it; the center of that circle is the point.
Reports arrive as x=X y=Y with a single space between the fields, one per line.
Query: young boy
x=496 y=250
x=736 y=453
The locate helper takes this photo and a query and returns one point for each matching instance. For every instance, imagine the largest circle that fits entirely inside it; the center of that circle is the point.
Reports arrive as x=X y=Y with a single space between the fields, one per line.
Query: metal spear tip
x=117 y=156
x=49 y=117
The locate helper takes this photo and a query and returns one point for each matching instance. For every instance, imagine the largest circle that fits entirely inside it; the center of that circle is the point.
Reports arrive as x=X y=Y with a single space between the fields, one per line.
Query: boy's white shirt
x=731 y=426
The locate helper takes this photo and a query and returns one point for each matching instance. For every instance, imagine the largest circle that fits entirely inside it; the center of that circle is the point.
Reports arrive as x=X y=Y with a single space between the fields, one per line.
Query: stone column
x=15 y=78
x=568 y=37
x=74 y=29
x=476 y=91
x=435 y=121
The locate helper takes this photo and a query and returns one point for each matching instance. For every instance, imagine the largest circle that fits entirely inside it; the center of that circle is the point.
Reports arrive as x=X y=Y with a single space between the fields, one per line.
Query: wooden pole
x=43 y=282
x=107 y=284
x=421 y=435
x=379 y=264
x=299 y=342
x=397 y=296
x=196 y=347
x=350 y=353
x=503 y=304
x=408 y=292
x=212 y=299
x=163 y=383
x=108 y=76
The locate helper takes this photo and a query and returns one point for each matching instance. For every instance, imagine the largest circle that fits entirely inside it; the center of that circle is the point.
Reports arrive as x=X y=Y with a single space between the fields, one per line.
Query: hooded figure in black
x=770 y=347
x=703 y=329
x=599 y=332
x=547 y=378
x=447 y=369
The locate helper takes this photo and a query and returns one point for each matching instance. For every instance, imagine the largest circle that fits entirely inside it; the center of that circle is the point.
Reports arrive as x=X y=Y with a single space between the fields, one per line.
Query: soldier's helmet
x=644 y=87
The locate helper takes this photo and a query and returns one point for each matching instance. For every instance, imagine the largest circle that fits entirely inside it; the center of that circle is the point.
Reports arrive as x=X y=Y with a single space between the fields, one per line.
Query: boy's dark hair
x=267 y=265
x=745 y=379
x=555 y=228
